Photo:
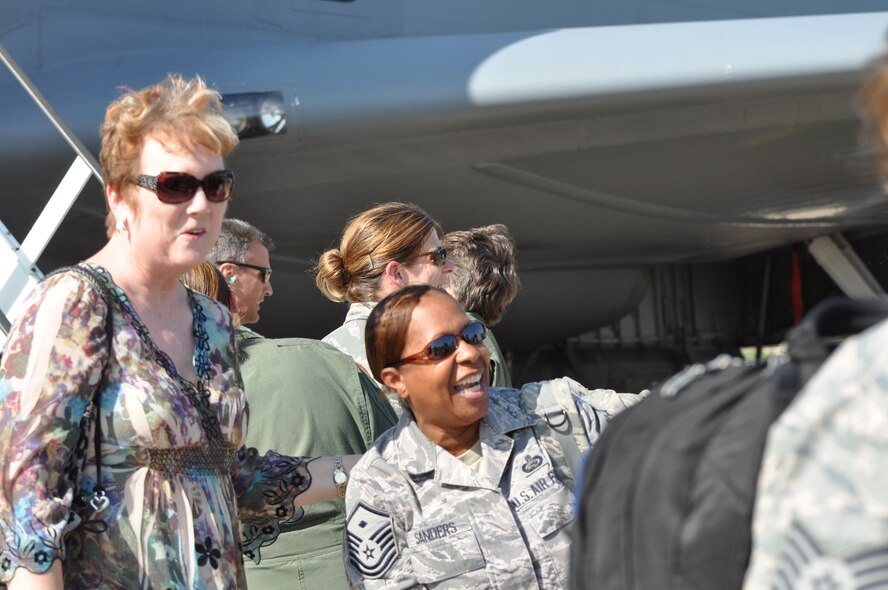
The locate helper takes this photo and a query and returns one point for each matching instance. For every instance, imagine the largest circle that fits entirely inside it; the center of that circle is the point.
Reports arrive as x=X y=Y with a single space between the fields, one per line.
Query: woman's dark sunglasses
x=442 y=347
x=438 y=255
x=180 y=187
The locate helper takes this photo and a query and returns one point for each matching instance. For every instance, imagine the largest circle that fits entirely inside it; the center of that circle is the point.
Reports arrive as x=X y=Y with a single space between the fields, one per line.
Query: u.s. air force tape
x=371 y=541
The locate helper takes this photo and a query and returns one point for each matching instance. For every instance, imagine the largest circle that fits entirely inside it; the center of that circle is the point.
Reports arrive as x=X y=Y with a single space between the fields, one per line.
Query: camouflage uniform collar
x=417 y=454
x=359 y=311
x=506 y=412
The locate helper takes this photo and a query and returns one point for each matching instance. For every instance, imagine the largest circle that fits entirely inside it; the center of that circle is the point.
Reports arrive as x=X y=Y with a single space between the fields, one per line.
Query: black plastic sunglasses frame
x=180 y=187
x=438 y=255
x=444 y=346
x=266 y=272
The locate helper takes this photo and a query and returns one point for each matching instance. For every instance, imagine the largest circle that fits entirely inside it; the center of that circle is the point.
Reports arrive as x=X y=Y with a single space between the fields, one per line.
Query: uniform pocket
x=551 y=518
x=552 y=513
x=444 y=550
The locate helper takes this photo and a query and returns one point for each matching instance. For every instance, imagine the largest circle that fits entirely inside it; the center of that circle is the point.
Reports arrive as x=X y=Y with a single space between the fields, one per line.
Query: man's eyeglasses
x=180 y=187
x=438 y=255
x=266 y=272
x=442 y=347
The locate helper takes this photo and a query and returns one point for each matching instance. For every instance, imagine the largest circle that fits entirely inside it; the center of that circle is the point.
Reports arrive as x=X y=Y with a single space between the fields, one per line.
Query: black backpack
x=667 y=493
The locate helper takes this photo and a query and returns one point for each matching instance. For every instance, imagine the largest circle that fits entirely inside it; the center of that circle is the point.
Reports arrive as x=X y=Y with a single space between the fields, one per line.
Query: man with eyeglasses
x=242 y=255
x=306 y=399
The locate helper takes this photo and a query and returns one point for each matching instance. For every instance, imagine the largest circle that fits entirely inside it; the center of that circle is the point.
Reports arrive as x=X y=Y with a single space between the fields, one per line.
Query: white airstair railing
x=837 y=257
x=18 y=262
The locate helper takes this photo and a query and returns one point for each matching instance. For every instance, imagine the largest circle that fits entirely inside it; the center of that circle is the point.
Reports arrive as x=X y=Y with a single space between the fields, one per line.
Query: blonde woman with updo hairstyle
x=122 y=417
x=382 y=250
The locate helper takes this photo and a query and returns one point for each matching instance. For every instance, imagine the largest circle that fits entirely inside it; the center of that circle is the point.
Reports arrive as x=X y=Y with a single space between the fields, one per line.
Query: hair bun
x=331 y=277
x=346 y=276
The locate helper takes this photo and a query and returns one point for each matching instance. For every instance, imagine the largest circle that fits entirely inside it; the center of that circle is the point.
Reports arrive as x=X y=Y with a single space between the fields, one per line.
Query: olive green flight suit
x=307 y=399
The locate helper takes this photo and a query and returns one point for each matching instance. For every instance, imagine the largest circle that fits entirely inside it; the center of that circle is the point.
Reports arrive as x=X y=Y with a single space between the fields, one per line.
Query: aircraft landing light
x=256 y=114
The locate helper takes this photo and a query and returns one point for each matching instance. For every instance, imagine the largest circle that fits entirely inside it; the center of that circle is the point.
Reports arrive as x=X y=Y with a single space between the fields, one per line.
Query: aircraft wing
x=606 y=150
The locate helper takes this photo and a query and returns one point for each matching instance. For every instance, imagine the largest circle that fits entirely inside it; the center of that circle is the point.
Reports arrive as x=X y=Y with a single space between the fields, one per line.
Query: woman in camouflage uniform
x=462 y=493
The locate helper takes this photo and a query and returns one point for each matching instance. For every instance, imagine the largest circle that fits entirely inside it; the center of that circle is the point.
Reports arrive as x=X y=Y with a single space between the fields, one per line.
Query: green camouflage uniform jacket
x=418 y=516
x=307 y=399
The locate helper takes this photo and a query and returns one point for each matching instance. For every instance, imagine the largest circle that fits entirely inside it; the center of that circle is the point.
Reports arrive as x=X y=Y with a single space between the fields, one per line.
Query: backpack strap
x=559 y=426
x=559 y=412
x=571 y=418
x=839 y=316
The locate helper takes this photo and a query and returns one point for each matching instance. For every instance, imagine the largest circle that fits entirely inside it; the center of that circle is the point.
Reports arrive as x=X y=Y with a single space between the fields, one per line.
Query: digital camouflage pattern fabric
x=419 y=516
x=349 y=337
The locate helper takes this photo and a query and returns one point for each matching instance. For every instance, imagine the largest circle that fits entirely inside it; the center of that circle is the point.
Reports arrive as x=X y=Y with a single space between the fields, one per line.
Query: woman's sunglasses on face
x=180 y=187
x=438 y=255
x=442 y=347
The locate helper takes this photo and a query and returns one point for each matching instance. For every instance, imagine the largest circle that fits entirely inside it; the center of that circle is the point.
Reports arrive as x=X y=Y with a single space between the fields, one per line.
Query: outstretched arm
x=272 y=488
x=322 y=486
x=28 y=580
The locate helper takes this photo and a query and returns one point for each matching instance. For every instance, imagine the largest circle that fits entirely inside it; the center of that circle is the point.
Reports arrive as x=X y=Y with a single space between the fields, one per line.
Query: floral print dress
x=186 y=499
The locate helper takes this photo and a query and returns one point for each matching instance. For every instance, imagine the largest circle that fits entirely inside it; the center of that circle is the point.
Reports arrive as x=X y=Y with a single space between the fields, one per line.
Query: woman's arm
x=50 y=580
x=322 y=486
x=272 y=488
x=266 y=483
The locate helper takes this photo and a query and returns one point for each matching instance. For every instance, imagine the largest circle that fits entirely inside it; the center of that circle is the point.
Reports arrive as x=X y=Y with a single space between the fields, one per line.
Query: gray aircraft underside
x=608 y=138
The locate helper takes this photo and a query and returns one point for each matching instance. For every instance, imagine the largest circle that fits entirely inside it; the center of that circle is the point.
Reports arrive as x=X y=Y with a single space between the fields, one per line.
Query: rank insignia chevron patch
x=804 y=565
x=371 y=541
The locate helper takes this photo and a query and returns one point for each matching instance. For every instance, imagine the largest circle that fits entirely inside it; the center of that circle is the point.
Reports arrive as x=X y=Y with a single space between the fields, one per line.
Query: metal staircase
x=18 y=262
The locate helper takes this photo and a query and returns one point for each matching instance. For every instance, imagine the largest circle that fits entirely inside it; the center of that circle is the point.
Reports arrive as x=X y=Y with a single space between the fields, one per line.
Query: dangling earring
x=232 y=279
x=119 y=227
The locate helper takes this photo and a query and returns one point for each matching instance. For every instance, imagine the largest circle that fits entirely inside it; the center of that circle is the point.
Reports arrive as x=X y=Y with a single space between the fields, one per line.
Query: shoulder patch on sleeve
x=371 y=541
